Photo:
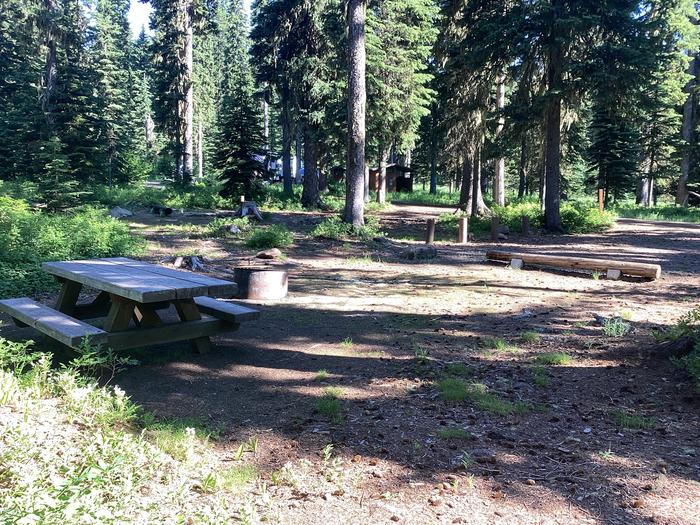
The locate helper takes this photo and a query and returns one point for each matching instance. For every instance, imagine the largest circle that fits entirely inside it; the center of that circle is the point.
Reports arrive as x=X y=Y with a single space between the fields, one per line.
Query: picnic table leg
x=119 y=315
x=146 y=316
x=68 y=297
x=187 y=310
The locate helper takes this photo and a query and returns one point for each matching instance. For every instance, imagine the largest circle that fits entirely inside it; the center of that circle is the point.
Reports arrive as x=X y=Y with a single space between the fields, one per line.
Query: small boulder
x=119 y=213
x=273 y=253
x=234 y=230
x=419 y=254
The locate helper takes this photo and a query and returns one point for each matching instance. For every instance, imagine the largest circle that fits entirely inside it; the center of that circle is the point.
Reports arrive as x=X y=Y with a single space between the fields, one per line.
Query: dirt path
x=532 y=443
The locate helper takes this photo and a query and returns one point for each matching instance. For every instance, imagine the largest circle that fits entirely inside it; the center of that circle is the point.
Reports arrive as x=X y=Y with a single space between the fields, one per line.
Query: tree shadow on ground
x=264 y=382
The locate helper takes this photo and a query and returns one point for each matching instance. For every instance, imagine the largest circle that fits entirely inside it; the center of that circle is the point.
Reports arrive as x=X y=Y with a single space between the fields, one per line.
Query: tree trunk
x=478 y=205
x=200 y=151
x=465 y=194
x=552 y=124
x=50 y=76
x=310 y=194
x=407 y=159
x=266 y=130
x=522 y=168
x=187 y=105
x=357 y=102
x=298 y=153
x=383 y=161
x=366 y=188
x=499 y=184
x=687 y=132
x=287 y=127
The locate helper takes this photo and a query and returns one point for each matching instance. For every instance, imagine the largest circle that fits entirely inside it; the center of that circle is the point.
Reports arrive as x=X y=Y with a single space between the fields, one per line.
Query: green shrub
x=687 y=327
x=29 y=237
x=334 y=228
x=275 y=236
x=577 y=216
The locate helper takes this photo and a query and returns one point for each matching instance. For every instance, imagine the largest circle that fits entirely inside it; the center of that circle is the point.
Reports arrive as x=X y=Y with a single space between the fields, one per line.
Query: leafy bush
x=275 y=236
x=29 y=237
x=334 y=228
x=576 y=216
x=687 y=327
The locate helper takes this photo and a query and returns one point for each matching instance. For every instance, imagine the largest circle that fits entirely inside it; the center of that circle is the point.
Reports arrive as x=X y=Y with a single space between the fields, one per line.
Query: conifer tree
x=240 y=142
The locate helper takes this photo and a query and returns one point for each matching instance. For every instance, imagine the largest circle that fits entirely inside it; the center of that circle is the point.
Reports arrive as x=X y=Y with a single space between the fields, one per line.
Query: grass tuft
x=540 y=376
x=530 y=337
x=632 y=421
x=499 y=344
x=553 y=358
x=329 y=404
x=454 y=433
x=616 y=327
x=452 y=389
x=321 y=375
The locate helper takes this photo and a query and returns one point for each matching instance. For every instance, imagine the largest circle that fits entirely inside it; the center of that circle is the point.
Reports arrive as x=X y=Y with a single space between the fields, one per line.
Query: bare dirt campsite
x=467 y=391
x=349 y=262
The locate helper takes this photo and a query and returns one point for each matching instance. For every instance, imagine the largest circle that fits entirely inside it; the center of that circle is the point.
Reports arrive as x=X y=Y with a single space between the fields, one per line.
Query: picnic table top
x=139 y=281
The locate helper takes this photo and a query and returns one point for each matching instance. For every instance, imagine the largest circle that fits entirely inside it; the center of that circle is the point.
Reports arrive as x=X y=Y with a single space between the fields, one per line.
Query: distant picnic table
x=125 y=313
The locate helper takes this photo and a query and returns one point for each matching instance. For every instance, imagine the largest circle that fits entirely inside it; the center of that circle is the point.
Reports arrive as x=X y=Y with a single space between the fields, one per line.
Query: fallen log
x=613 y=268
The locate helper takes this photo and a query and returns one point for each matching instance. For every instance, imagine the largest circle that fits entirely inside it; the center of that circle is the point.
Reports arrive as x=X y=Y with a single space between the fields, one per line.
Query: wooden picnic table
x=125 y=313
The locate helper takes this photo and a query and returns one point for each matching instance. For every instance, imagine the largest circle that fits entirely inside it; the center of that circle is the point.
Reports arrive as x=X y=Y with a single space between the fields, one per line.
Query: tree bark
x=499 y=184
x=383 y=161
x=357 y=102
x=465 y=194
x=200 y=151
x=367 y=195
x=188 y=109
x=287 y=127
x=50 y=76
x=522 y=168
x=478 y=205
x=687 y=133
x=552 y=124
x=310 y=194
x=298 y=154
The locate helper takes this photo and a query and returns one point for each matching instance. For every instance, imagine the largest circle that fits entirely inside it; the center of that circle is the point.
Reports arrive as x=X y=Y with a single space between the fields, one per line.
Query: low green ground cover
x=664 y=212
x=29 y=237
x=72 y=451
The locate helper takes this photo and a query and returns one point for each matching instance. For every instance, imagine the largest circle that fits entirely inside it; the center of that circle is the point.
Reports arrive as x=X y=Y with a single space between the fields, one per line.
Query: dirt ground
x=386 y=331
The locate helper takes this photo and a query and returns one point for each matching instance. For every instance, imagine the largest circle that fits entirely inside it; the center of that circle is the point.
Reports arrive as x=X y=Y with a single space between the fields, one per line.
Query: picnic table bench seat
x=233 y=313
x=59 y=326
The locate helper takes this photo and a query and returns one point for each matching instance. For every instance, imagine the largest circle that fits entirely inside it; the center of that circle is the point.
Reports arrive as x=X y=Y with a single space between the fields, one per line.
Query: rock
x=356 y=458
x=273 y=253
x=484 y=455
x=435 y=500
x=234 y=230
x=637 y=504
x=395 y=518
x=419 y=254
x=530 y=482
x=119 y=213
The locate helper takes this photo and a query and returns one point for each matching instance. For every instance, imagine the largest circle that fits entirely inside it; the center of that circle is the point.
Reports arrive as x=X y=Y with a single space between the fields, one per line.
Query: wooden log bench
x=613 y=269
